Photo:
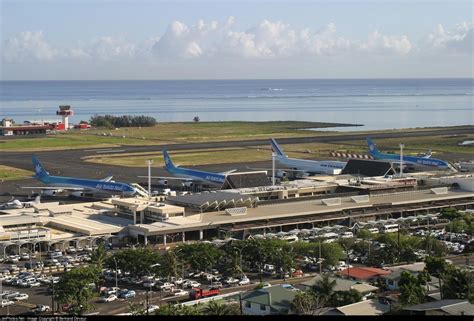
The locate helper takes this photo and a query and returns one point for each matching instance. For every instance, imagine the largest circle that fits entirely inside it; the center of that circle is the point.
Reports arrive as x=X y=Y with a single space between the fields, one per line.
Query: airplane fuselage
x=414 y=161
x=196 y=175
x=310 y=166
x=89 y=184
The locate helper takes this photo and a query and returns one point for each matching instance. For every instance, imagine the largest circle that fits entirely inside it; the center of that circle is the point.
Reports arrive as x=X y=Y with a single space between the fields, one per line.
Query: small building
x=267 y=301
x=9 y=128
x=442 y=307
x=144 y=211
x=343 y=285
x=368 y=307
x=362 y=273
x=391 y=280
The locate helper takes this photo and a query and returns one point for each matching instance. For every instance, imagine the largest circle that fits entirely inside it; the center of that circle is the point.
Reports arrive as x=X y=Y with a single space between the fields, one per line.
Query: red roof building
x=363 y=273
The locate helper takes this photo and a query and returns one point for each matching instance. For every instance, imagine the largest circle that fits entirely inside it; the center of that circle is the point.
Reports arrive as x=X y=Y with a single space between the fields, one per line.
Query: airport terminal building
x=312 y=204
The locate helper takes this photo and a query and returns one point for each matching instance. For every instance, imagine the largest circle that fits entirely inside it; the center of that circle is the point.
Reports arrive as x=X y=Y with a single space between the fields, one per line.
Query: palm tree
x=99 y=255
x=214 y=308
x=324 y=289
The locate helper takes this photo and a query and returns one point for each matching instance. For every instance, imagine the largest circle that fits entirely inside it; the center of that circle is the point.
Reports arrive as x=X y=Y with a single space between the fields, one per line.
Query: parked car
x=127 y=294
x=34 y=284
x=21 y=296
x=244 y=281
x=149 y=284
x=297 y=274
x=178 y=281
x=11 y=295
x=166 y=286
x=193 y=284
x=152 y=307
x=6 y=303
x=109 y=298
x=216 y=285
x=180 y=293
x=42 y=308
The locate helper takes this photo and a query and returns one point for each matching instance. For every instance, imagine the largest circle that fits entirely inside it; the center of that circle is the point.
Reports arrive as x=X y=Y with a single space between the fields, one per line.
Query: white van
x=389 y=228
x=373 y=230
x=347 y=235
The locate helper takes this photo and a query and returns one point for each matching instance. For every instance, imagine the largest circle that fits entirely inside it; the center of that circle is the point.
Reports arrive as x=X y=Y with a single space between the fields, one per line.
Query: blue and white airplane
x=306 y=165
x=408 y=161
x=190 y=176
x=77 y=186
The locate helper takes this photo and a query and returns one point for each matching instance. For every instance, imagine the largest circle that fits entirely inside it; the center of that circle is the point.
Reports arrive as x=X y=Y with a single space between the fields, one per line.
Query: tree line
x=110 y=121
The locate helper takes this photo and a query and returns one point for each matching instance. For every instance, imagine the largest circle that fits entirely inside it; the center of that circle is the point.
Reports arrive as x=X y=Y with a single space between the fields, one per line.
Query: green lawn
x=8 y=173
x=164 y=133
x=440 y=146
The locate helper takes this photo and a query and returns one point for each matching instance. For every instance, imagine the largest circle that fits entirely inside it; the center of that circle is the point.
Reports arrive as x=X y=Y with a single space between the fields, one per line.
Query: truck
x=198 y=293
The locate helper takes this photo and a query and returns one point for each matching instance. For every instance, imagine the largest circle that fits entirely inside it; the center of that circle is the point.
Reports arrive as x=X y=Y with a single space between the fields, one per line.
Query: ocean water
x=375 y=103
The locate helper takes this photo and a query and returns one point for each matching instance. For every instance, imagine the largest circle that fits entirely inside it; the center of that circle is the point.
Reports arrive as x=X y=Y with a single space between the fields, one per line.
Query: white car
x=180 y=293
x=178 y=281
x=34 y=284
x=6 y=303
x=21 y=296
x=42 y=308
x=194 y=284
x=231 y=280
x=166 y=286
x=152 y=307
x=109 y=298
x=244 y=281
x=149 y=284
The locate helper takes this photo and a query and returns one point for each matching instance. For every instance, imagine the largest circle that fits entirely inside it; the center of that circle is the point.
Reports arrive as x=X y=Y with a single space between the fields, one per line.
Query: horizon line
x=235 y=79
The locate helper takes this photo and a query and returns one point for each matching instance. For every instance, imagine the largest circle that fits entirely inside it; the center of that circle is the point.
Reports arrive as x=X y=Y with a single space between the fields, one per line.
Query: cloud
x=267 y=40
x=378 y=43
x=28 y=46
x=105 y=49
x=458 y=40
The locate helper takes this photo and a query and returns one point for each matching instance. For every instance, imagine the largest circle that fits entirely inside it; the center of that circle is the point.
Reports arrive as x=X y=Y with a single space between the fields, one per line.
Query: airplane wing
x=277 y=169
x=56 y=188
x=228 y=172
x=168 y=177
x=107 y=179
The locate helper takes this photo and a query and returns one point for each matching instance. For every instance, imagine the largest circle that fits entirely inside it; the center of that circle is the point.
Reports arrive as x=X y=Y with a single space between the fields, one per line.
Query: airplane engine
x=51 y=192
x=163 y=182
x=17 y=204
x=77 y=194
x=188 y=184
x=281 y=174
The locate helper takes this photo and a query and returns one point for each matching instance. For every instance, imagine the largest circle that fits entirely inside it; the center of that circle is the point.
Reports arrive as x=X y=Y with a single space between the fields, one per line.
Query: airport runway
x=70 y=163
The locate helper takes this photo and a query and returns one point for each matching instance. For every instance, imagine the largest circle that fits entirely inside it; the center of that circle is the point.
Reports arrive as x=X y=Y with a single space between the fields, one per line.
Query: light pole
x=273 y=168
x=52 y=297
x=116 y=272
x=401 y=159
x=149 y=162
x=147 y=305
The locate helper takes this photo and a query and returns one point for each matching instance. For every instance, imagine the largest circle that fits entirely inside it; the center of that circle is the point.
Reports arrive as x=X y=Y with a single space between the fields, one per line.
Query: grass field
x=440 y=145
x=8 y=173
x=169 y=133
x=164 y=133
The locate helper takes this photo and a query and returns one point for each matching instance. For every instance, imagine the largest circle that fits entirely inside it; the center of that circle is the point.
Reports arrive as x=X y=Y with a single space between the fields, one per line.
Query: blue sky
x=265 y=39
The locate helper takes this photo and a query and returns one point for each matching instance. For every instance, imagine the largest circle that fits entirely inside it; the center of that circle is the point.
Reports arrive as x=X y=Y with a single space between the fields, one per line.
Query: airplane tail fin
x=276 y=148
x=168 y=162
x=373 y=150
x=40 y=172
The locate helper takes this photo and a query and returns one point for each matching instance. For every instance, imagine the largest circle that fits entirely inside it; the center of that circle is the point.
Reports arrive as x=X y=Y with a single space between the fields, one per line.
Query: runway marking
x=105 y=150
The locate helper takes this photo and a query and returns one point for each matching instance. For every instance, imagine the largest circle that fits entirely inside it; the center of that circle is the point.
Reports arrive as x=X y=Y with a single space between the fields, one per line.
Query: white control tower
x=65 y=111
